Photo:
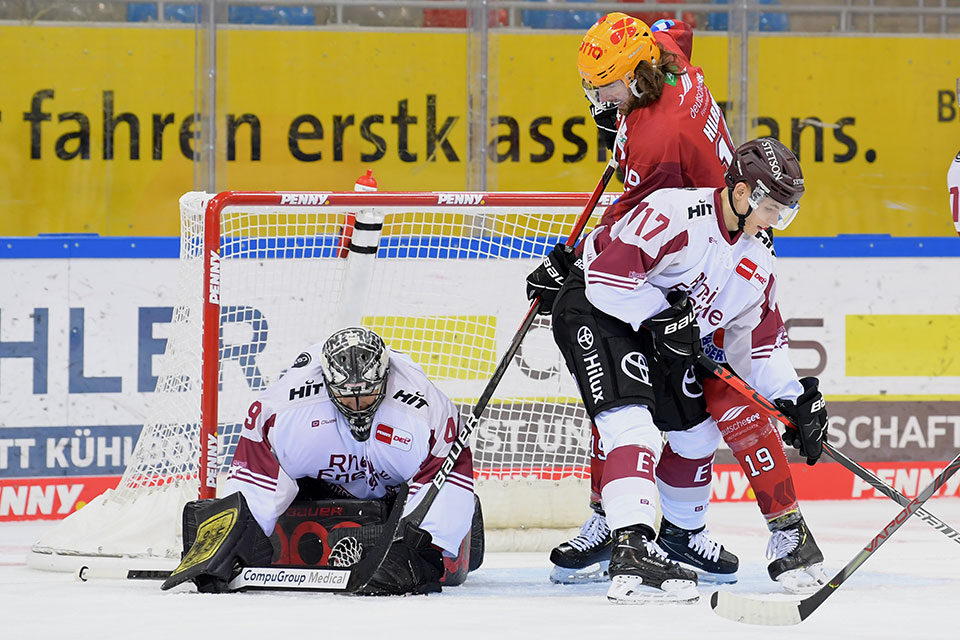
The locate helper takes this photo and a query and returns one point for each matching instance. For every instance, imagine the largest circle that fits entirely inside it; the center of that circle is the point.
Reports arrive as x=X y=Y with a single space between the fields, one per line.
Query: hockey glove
x=809 y=417
x=412 y=565
x=676 y=335
x=545 y=281
x=606 y=119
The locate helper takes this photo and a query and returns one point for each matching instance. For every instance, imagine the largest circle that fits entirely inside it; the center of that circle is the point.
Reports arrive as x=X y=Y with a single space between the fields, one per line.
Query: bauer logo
x=397 y=438
x=303 y=198
x=460 y=198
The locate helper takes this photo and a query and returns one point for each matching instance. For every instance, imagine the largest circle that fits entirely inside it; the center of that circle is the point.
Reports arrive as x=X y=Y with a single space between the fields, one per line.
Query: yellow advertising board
x=96 y=123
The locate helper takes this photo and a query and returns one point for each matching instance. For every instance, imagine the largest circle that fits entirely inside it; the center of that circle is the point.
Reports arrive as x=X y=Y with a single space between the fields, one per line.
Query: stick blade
x=749 y=611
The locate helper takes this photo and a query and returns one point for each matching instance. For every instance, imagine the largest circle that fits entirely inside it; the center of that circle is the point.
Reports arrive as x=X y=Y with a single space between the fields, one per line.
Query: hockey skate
x=696 y=550
x=586 y=557
x=797 y=563
x=640 y=572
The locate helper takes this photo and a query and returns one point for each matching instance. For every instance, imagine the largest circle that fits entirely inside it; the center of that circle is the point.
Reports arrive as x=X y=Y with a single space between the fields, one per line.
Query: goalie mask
x=355 y=363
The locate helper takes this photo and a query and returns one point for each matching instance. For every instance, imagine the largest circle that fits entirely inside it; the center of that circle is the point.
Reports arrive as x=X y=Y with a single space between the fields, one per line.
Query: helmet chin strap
x=633 y=88
x=741 y=217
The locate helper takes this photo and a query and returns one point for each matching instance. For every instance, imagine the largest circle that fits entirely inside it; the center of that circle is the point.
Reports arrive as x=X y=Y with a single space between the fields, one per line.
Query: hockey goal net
x=264 y=274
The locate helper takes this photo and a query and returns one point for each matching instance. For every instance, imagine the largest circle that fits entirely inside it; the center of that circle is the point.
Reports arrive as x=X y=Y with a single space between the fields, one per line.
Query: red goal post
x=440 y=275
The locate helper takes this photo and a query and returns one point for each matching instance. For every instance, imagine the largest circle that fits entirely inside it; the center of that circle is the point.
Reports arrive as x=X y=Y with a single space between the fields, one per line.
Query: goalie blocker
x=220 y=536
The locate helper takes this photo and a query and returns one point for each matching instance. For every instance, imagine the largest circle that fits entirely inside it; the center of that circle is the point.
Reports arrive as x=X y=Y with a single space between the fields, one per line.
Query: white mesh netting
x=446 y=286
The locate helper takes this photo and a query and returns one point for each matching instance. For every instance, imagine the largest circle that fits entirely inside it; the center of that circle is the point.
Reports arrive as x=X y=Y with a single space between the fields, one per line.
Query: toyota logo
x=585 y=338
x=634 y=364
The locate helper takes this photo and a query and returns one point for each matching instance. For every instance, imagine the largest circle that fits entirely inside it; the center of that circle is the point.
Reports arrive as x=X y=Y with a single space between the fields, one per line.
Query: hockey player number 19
x=764 y=459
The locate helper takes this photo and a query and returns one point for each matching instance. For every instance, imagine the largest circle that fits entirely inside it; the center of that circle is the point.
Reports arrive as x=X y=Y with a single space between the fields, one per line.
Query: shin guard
x=754 y=441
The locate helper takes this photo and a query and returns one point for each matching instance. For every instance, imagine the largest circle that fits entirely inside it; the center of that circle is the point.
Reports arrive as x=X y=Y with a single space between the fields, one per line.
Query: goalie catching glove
x=412 y=565
x=545 y=281
x=219 y=537
x=809 y=417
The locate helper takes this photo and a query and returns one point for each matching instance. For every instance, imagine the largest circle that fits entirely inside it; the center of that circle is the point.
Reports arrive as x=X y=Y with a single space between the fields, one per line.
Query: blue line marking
x=443 y=247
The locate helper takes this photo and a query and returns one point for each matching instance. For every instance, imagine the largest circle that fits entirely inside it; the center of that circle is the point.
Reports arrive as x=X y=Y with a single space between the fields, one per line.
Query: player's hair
x=650 y=80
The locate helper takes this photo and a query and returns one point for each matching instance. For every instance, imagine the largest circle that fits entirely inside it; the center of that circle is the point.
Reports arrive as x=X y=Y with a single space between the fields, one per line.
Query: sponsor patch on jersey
x=753 y=273
x=302 y=360
x=398 y=438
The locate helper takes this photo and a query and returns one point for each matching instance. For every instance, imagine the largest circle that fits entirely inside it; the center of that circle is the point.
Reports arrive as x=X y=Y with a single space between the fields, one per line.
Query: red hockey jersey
x=680 y=140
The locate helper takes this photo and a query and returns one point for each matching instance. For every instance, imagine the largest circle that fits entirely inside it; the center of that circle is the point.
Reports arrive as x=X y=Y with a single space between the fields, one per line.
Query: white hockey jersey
x=295 y=431
x=953 y=185
x=676 y=239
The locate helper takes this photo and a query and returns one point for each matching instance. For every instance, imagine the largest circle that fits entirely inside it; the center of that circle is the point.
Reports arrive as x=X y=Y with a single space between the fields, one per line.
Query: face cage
x=785 y=214
x=360 y=419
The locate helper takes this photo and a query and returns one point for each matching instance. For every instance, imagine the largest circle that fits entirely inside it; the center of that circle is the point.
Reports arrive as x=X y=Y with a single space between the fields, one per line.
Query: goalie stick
x=779 y=612
x=869 y=477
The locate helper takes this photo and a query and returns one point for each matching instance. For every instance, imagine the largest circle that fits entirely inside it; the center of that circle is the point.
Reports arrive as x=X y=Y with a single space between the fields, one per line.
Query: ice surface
x=910 y=588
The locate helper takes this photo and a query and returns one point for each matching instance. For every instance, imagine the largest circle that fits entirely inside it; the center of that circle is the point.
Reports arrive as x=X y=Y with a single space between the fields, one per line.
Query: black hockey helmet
x=770 y=169
x=355 y=363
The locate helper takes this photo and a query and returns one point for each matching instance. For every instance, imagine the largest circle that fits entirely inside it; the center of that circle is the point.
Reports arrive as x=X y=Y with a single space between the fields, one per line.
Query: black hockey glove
x=412 y=565
x=676 y=335
x=545 y=281
x=606 y=120
x=809 y=417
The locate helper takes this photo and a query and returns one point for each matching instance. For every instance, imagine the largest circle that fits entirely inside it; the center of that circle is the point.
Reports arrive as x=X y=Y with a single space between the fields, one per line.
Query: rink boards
x=81 y=339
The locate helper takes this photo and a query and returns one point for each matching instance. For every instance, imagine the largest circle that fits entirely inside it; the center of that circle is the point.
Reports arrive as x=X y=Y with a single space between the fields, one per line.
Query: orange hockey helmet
x=612 y=48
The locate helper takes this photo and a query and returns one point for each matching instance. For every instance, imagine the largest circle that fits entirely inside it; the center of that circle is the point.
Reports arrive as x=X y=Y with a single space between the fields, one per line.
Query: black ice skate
x=696 y=550
x=586 y=557
x=797 y=561
x=640 y=572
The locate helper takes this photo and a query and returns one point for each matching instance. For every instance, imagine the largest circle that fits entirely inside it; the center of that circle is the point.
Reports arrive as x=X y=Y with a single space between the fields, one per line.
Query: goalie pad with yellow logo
x=223 y=537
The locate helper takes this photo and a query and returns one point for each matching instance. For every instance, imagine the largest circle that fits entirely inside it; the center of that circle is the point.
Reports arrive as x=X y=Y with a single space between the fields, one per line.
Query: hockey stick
x=778 y=612
x=870 y=478
x=752 y=394
x=428 y=494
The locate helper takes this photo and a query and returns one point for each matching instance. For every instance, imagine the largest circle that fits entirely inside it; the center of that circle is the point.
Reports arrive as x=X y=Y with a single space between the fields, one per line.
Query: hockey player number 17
x=661 y=221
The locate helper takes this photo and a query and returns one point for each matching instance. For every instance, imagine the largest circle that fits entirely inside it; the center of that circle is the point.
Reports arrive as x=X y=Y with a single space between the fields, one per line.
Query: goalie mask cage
x=262 y=275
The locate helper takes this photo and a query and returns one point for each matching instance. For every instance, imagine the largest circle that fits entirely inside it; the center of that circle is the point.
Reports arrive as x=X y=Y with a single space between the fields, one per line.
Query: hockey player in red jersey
x=360 y=419
x=666 y=130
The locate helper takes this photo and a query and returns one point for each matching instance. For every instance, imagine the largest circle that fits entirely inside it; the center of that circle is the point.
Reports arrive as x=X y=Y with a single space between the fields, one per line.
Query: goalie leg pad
x=226 y=536
x=756 y=445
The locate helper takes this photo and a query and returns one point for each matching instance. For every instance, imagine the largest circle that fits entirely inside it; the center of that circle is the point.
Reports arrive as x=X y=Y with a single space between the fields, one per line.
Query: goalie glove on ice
x=809 y=417
x=412 y=565
x=545 y=281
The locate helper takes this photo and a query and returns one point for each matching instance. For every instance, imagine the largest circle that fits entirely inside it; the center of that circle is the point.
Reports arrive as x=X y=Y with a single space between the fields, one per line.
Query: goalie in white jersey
x=628 y=320
x=362 y=420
